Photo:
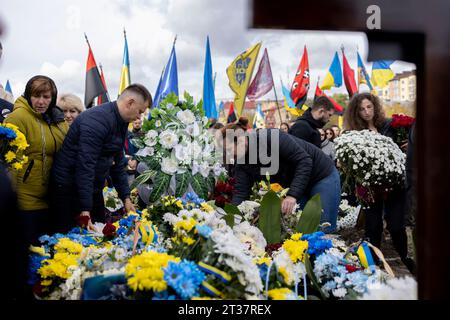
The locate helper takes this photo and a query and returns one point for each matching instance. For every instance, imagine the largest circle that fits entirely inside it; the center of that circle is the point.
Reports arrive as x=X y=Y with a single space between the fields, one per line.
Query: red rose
x=109 y=230
x=83 y=221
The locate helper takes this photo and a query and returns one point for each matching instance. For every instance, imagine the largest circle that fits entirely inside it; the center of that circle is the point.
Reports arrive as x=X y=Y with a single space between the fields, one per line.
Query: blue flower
x=329 y=285
x=35 y=262
x=203 y=230
x=263 y=268
x=184 y=277
x=8 y=133
x=317 y=245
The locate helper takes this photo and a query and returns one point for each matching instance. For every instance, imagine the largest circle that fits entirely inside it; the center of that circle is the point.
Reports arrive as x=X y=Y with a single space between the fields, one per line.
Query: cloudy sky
x=47 y=38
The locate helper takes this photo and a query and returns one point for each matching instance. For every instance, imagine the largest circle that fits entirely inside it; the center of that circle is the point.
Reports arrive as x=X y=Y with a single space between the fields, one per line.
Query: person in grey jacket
x=327 y=145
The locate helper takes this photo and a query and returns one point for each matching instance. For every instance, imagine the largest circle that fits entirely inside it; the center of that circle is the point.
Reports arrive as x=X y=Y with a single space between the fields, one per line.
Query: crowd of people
x=74 y=152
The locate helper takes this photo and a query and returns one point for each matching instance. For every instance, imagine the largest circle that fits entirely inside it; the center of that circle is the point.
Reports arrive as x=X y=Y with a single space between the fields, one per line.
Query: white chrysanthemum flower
x=186 y=116
x=182 y=153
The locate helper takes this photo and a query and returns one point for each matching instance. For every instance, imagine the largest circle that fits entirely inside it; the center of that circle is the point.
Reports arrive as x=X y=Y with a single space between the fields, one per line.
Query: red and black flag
x=319 y=93
x=94 y=86
x=231 y=114
x=104 y=97
x=300 y=86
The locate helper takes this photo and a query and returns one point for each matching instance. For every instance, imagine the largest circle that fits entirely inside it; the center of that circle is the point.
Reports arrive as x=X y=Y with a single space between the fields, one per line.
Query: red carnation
x=271 y=248
x=109 y=230
x=83 y=221
x=350 y=268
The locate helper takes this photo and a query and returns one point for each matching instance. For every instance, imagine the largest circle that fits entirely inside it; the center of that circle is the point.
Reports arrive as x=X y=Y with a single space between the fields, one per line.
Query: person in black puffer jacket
x=92 y=150
x=314 y=118
x=292 y=163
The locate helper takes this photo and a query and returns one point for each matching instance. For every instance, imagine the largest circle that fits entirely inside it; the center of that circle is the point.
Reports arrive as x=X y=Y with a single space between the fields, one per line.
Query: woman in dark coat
x=365 y=112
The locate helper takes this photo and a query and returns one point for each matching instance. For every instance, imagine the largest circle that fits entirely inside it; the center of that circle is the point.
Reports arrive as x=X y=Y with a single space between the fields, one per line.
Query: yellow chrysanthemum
x=279 y=294
x=296 y=249
x=296 y=236
x=67 y=245
x=24 y=159
x=10 y=156
x=144 y=271
x=58 y=266
x=185 y=225
x=17 y=166
x=206 y=207
x=179 y=204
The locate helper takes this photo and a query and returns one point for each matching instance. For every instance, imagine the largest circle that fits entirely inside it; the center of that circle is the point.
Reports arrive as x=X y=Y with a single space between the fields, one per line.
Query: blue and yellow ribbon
x=221 y=275
x=365 y=256
x=209 y=289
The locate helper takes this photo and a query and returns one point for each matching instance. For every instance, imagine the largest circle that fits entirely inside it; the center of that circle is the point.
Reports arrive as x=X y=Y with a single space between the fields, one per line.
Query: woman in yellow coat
x=42 y=122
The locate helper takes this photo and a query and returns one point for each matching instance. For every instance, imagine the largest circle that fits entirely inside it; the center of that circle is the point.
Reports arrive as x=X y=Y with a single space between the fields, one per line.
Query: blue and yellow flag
x=125 y=77
x=382 y=73
x=239 y=75
x=365 y=256
x=363 y=76
x=209 y=100
x=289 y=104
x=258 y=120
x=334 y=75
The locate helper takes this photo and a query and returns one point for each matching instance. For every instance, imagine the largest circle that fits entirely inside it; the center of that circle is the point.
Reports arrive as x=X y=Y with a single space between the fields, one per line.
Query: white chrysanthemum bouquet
x=371 y=162
x=178 y=150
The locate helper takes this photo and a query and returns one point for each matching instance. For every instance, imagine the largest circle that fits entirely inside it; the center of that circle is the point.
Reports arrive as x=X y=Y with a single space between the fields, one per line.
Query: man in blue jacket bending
x=92 y=150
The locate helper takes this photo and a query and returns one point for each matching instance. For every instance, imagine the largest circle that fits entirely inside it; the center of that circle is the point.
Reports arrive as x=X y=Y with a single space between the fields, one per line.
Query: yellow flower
x=58 y=266
x=179 y=204
x=188 y=240
x=202 y=298
x=206 y=207
x=296 y=249
x=67 y=245
x=285 y=275
x=24 y=159
x=185 y=225
x=276 y=187
x=144 y=271
x=264 y=260
x=38 y=250
x=46 y=283
x=296 y=236
x=17 y=166
x=279 y=294
x=10 y=156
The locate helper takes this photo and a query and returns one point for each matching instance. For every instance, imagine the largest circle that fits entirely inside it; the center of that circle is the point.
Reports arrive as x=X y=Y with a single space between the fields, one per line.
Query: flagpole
x=276 y=101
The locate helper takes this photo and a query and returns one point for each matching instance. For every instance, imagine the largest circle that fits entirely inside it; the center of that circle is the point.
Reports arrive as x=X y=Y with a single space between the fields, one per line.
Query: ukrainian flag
x=382 y=73
x=125 y=77
x=334 y=75
x=363 y=77
x=365 y=256
x=289 y=104
x=258 y=120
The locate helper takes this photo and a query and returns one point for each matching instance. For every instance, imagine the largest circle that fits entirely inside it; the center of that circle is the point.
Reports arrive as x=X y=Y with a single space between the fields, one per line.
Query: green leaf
x=138 y=143
x=143 y=178
x=310 y=219
x=160 y=186
x=231 y=211
x=211 y=182
x=182 y=183
x=198 y=183
x=312 y=276
x=270 y=217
